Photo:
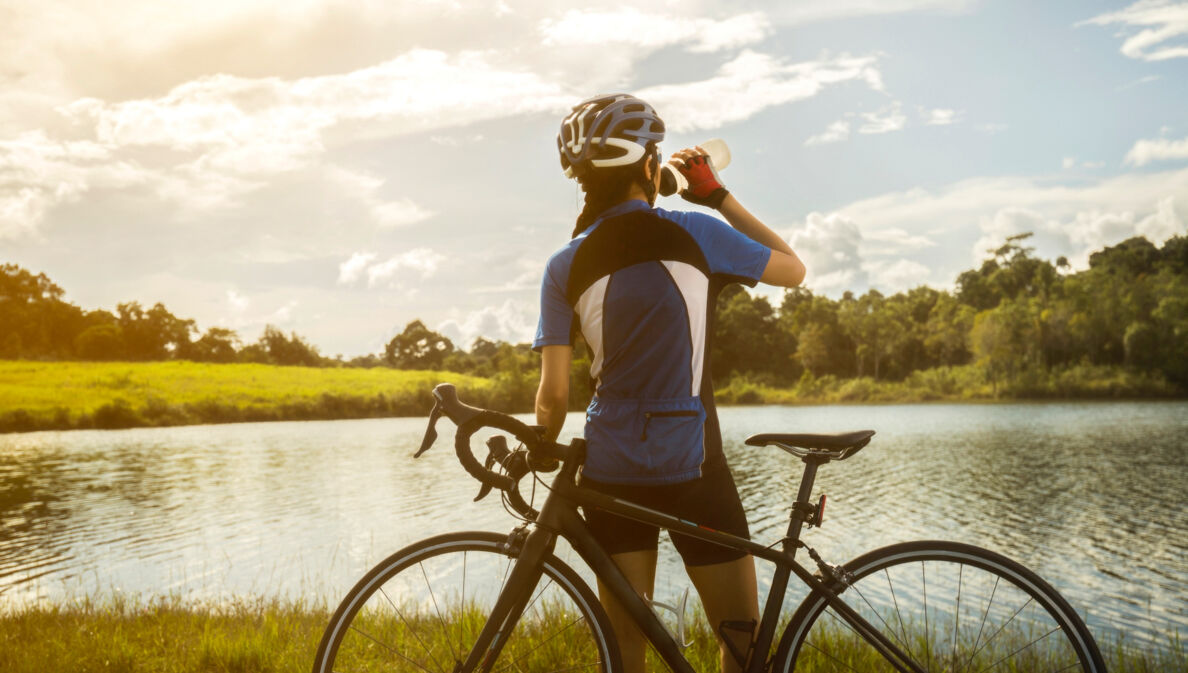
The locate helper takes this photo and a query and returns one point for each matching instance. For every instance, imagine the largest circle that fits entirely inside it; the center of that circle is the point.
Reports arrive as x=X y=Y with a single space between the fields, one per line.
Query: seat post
x=797 y=519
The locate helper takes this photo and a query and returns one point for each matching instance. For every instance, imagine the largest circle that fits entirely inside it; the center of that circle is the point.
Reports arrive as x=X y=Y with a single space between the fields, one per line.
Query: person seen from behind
x=640 y=284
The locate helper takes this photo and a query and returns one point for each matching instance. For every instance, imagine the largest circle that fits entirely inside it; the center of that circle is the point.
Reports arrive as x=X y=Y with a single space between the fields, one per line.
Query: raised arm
x=784 y=268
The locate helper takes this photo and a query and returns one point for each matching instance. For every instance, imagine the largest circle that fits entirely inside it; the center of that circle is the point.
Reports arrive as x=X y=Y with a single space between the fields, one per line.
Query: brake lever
x=497 y=451
x=431 y=431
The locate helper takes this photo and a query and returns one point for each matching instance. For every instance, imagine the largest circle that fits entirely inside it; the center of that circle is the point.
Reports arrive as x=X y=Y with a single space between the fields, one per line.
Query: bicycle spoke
x=991 y=666
x=410 y=628
x=444 y=629
x=540 y=644
x=899 y=615
x=815 y=647
x=388 y=648
x=1000 y=629
x=927 y=632
x=462 y=605
x=876 y=614
x=985 y=613
x=537 y=597
x=1022 y=628
x=957 y=616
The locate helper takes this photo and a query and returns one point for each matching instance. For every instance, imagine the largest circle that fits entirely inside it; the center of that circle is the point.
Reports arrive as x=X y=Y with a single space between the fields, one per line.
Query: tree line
x=1014 y=317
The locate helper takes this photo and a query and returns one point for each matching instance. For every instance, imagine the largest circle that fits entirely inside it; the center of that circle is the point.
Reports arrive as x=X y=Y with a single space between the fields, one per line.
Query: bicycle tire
x=956 y=608
x=417 y=610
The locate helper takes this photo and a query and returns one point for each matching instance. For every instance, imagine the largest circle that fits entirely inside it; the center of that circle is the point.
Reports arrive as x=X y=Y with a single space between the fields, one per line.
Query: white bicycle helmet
x=606 y=131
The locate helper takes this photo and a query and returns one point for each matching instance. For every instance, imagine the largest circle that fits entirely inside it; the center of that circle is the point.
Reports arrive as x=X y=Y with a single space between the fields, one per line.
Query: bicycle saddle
x=847 y=443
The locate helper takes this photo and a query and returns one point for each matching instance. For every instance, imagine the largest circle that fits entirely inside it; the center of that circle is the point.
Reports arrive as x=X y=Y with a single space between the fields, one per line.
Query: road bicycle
x=493 y=602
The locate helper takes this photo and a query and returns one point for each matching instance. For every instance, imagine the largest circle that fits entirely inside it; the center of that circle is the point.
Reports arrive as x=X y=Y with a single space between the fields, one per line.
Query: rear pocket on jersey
x=645 y=441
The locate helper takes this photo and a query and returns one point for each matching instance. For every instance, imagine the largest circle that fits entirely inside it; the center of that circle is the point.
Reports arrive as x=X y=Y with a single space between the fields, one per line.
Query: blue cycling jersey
x=640 y=283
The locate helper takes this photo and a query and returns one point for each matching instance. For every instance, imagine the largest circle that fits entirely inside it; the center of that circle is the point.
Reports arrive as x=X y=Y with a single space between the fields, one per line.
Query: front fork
x=533 y=546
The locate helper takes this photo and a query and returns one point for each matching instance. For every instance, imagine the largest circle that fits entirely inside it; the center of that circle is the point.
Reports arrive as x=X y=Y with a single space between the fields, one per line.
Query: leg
x=729 y=593
x=640 y=569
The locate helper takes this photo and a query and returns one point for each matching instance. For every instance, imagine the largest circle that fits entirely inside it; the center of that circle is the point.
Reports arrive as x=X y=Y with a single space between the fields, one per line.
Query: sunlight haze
x=339 y=169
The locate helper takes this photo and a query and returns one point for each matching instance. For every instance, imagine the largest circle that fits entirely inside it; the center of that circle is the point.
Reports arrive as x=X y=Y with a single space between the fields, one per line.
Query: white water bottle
x=671 y=180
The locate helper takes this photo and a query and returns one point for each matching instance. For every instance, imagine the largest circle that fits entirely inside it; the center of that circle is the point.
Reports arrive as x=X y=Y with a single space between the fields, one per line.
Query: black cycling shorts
x=710 y=500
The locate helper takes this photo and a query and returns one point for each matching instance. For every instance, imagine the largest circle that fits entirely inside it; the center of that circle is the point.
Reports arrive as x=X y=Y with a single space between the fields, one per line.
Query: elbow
x=798 y=274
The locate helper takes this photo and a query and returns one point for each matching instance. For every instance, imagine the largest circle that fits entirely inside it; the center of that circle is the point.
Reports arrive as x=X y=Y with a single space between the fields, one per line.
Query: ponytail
x=607 y=187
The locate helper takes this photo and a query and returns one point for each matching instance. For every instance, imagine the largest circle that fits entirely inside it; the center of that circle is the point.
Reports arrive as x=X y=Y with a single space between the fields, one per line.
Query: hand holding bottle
x=693 y=173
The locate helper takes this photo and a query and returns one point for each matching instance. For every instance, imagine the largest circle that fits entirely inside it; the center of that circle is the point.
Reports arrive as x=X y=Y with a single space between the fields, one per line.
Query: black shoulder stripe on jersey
x=627 y=240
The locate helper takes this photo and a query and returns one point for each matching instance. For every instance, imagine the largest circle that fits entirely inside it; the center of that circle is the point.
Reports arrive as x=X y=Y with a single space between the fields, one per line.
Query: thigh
x=711 y=501
x=617 y=534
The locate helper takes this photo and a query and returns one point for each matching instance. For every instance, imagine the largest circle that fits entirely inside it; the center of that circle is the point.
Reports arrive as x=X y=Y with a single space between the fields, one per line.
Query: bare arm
x=783 y=268
x=552 y=397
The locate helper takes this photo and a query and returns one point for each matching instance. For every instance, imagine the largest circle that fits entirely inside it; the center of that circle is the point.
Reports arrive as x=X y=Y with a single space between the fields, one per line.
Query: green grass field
x=64 y=395
x=168 y=636
x=108 y=395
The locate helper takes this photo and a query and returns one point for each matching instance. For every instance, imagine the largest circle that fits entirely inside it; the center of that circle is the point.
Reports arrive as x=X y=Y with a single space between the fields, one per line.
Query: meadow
x=70 y=395
x=110 y=395
x=168 y=636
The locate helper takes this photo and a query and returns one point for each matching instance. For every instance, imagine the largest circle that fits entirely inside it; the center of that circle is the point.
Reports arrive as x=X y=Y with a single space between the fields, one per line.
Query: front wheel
x=422 y=608
x=951 y=607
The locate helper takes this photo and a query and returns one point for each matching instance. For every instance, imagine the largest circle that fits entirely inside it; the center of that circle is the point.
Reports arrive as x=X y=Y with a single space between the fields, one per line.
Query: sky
x=340 y=168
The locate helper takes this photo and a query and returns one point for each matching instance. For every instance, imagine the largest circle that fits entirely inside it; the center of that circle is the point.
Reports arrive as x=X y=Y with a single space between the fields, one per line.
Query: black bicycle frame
x=559 y=518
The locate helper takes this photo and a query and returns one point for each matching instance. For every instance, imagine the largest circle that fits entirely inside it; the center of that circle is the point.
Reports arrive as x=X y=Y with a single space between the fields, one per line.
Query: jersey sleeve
x=728 y=251
x=555 y=327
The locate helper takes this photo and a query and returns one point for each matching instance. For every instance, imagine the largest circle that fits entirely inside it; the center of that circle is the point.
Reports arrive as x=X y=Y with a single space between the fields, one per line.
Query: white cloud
x=891 y=276
x=352 y=269
x=829 y=247
x=512 y=321
x=1094 y=229
x=38 y=173
x=1158 y=149
x=1164 y=26
x=939 y=116
x=269 y=124
x=422 y=260
x=835 y=132
x=1068 y=219
x=751 y=83
x=632 y=26
x=236 y=302
x=893 y=241
x=1068 y=162
x=884 y=120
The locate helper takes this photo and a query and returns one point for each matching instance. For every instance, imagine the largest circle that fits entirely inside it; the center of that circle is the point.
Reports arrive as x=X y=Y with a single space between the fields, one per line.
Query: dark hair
x=609 y=186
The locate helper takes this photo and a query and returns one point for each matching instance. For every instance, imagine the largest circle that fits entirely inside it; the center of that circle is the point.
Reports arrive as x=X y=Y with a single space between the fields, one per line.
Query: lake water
x=1089 y=495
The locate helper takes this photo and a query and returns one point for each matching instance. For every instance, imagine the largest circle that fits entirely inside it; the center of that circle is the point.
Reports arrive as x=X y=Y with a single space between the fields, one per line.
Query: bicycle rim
x=421 y=609
x=952 y=608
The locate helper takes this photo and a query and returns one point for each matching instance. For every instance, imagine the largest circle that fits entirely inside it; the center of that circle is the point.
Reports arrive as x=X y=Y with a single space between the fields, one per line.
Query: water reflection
x=1088 y=495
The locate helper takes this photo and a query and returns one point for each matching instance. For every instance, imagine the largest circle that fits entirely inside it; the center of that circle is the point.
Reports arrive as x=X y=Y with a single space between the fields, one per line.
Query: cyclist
x=640 y=283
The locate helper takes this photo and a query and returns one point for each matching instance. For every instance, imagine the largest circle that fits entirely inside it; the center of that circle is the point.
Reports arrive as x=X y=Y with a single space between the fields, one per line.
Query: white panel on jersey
x=694 y=287
x=589 y=310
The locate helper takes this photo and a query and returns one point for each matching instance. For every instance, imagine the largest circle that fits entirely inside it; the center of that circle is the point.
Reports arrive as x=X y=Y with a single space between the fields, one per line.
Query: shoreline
x=49 y=396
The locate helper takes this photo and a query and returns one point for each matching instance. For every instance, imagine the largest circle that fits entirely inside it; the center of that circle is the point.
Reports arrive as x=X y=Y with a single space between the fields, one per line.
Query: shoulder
x=558 y=265
x=702 y=226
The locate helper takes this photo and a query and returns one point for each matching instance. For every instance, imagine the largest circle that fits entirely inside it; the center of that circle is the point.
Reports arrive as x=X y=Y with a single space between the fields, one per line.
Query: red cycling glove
x=705 y=187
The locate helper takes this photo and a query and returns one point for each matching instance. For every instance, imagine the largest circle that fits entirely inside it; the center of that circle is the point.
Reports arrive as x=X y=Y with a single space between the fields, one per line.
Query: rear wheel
x=422 y=608
x=951 y=607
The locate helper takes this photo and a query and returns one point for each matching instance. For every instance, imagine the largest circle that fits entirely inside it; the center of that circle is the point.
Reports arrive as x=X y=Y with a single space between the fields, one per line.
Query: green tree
x=100 y=342
x=291 y=350
x=418 y=347
x=218 y=344
x=155 y=334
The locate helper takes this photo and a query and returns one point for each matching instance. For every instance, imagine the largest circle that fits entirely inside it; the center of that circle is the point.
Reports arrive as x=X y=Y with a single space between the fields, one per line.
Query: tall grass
x=167 y=636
